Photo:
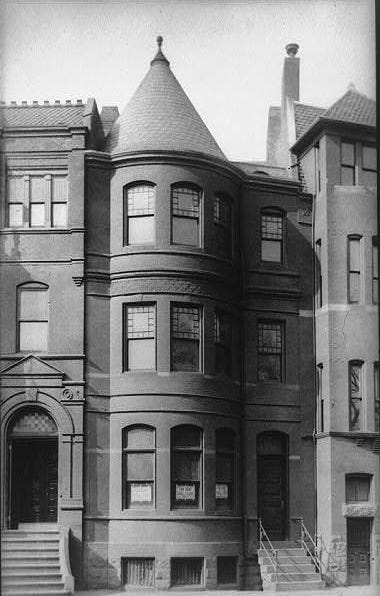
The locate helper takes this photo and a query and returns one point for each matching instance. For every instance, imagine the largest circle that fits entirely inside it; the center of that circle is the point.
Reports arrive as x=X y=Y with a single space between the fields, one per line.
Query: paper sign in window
x=185 y=492
x=141 y=493
x=221 y=491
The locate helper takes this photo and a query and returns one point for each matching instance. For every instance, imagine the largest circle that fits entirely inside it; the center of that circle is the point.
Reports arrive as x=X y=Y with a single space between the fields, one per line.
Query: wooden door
x=272 y=483
x=34 y=480
x=358 y=551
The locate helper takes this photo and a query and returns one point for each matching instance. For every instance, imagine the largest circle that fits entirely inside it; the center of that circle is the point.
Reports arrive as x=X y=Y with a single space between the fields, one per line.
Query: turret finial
x=159 y=41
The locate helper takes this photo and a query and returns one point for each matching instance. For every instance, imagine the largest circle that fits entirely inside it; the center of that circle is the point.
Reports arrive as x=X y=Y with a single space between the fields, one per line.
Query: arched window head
x=139 y=211
x=186 y=458
x=272 y=236
x=32 y=317
x=186 y=214
x=138 y=467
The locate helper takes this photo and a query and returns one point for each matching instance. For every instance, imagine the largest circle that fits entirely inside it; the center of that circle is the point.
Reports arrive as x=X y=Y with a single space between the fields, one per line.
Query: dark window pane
x=139 y=466
x=357 y=488
x=269 y=367
x=225 y=439
x=186 y=436
x=186 y=466
x=139 y=438
x=224 y=468
x=347 y=176
x=355 y=412
x=226 y=570
x=186 y=572
x=348 y=154
x=377 y=397
x=185 y=355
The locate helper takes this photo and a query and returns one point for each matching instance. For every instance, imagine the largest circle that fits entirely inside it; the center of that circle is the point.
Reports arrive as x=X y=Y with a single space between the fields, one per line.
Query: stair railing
x=271 y=552
x=306 y=539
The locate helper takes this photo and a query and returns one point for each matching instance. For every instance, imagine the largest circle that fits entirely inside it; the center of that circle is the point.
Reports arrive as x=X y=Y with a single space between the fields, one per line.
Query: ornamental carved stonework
x=31 y=394
x=359 y=510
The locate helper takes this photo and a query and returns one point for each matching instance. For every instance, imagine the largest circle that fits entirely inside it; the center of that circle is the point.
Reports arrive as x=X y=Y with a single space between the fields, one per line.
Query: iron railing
x=271 y=552
x=310 y=546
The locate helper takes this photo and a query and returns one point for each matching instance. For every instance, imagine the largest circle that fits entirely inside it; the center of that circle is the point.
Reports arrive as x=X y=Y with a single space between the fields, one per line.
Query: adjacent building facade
x=187 y=340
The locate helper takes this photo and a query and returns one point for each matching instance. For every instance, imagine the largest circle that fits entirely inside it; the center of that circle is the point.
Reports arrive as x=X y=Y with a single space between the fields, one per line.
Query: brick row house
x=189 y=351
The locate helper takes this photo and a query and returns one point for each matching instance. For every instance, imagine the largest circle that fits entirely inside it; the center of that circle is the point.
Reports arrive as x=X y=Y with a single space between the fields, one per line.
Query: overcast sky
x=227 y=56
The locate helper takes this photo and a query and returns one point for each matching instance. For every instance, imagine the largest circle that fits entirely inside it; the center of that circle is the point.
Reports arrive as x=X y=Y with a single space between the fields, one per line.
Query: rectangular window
x=357 y=488
x=138 y=572
x=321 y=413
x=138 y=467
x=59 y=196
x=186 y=202
x=347 y=177
x=186 y=446
x=272 y=237
x=318 y=274
x=369 y=165
x=140 y=208
x=226 y=570
x=355 y=380
x=33 y=310
x=377 y=397
x=187 y=572
x=223 y=342
x=140 y=351
x=354 y=268
x=185 y=337
x=222 y=226
x=16 y=193
x=375 y=271
x=269 y=351
x=225 y=469
x=37 y=201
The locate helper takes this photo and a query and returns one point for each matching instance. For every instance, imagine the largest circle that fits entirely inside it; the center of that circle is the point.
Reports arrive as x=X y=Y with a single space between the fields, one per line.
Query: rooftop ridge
x=46 y=103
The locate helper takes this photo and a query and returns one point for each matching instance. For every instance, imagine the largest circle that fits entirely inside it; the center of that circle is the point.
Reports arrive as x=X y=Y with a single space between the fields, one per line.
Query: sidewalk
x=349 y=591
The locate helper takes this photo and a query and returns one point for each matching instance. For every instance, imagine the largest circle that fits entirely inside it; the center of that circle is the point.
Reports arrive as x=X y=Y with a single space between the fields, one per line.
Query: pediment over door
x=31 y=370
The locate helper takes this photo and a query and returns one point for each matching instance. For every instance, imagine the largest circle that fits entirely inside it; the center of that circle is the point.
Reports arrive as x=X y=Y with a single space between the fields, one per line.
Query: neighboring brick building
x=161 y=338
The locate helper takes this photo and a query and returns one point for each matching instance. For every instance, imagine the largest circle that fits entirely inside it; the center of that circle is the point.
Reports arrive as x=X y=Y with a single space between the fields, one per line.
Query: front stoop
x=34 y=560
x=296 y=570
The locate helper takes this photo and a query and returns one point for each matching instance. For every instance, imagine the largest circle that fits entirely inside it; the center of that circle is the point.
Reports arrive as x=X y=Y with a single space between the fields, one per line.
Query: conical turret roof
x=160 y=116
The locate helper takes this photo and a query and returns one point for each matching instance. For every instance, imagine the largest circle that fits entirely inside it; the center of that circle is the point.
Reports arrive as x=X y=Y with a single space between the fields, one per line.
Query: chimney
x=291 y=74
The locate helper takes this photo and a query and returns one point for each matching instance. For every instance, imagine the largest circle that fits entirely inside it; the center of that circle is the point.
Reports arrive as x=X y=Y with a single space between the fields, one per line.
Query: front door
x=358 y=551
x=34 y=480
x=272 y=484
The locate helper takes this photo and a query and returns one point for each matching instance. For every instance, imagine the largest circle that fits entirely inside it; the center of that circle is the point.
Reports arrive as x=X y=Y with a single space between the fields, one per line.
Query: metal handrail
x=272 y=553
x=313 y=554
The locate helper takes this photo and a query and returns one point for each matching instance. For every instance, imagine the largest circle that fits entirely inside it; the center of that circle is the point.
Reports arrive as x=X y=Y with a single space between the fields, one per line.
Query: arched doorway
x=272 y=483
x=33 y=467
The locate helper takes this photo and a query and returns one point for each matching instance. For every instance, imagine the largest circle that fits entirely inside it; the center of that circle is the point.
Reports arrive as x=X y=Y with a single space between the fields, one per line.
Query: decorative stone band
x=359 y=510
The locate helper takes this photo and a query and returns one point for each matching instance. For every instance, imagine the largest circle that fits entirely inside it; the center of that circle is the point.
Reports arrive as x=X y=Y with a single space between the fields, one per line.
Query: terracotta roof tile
x=36 y=116
x=353 y=107
x=160 y=116
x=304 y=116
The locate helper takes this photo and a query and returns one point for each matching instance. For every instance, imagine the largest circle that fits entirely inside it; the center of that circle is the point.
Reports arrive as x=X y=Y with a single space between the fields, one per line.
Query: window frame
x=127 y=504
x=320 y=399
x=357 y=476
x=223 y=230
x=281 y=326
x=126 y=339
x=197 y=341
x=367 y=169
x=355 y=426
x=375 y=270
x=220 y=564
x=175 y=449
x=223 y=453
x=318 y=279
x=351 y=238
x=194 y=188
x=273 y=212
x=376 y=392
x=224 y=346
x=31 y=287
x=124 y=572
x=47 y=199
x=127 y=217
x=350 y=166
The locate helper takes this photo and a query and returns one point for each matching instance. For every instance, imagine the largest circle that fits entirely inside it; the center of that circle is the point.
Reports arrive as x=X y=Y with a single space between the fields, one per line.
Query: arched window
x=32 y=317
x=138 y=466
x=139 y=210
x=222 y=225
x=186 y=214
x=272 y=236
x=225 y=447
x=186 y=467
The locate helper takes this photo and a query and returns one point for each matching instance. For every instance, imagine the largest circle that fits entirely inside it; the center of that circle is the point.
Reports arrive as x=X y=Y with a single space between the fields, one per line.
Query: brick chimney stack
x=291 y=74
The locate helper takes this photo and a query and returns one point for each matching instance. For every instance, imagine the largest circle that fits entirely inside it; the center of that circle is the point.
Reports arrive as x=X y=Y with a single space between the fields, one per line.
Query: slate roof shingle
x=304 y=116
x=353 y=107
x=36 y=116
x=160 y=116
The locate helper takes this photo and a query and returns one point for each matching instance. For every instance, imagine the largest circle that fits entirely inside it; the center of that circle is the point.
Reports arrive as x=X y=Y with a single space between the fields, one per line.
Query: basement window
x=138 y=572
x=226 y=570
x=187 y=572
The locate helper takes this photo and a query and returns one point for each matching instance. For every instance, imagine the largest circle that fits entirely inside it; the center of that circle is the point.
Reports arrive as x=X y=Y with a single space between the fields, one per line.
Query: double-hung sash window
x=225 y=446
x=33 y=313
x=223 y=342
x=272 y=237
x=355 y=395
x=37 y=200
x=348 y=160
x=138 y=466
x=139 y=214
x=140 y=344
x=269 y=351
x=186 y=472
x=354 y=269
x=186 y=211
x=222 y=226
x=185 y=337
x=369 y=165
